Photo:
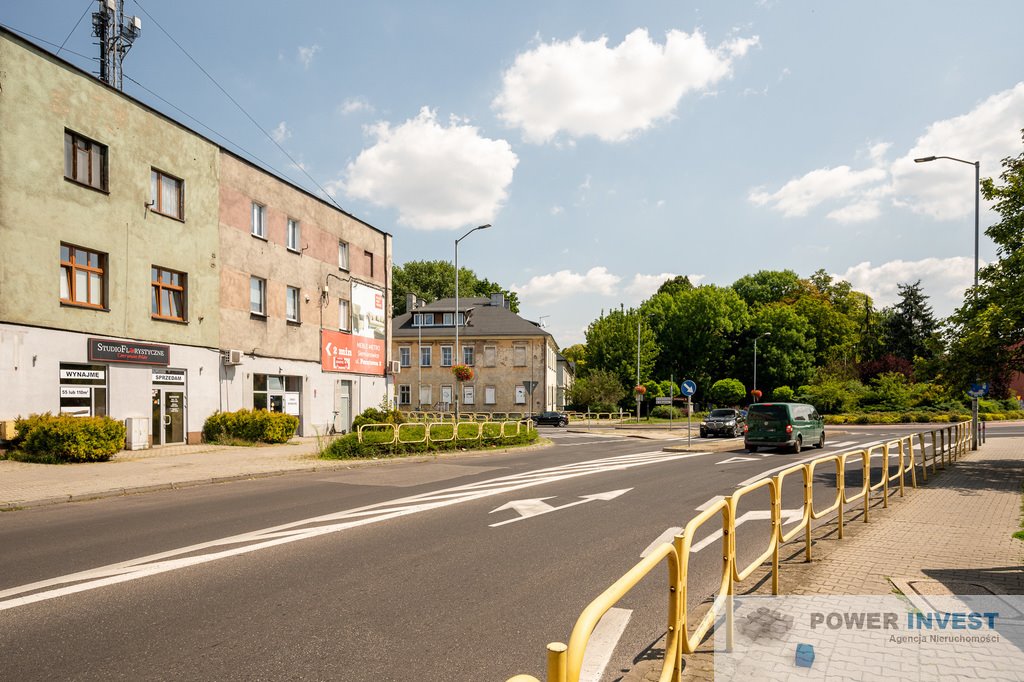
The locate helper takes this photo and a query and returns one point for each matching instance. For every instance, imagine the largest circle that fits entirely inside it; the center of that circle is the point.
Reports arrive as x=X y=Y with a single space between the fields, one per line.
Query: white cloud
x=943 y=280
x=857 y=212
x=584 y=88
x=798 y=196
x=556 y=286
x=943 y=189
x=557 y=210
x=355 y=104
x=436 y=176
x=306 y=54
x=281 y=132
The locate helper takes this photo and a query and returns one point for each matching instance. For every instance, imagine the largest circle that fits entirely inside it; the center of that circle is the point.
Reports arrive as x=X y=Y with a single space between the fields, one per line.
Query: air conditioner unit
x=394 y=367
x=232 y=357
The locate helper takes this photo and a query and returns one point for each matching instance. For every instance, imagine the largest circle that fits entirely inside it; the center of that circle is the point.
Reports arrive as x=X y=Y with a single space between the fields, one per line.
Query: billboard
x=362 y=351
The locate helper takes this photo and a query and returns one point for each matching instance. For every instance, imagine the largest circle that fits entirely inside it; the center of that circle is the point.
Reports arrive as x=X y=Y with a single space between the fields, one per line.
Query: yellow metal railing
x=564 y=662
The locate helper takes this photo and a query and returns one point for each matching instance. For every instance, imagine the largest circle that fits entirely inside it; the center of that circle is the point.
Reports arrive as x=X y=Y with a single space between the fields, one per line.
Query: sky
x=611 y=146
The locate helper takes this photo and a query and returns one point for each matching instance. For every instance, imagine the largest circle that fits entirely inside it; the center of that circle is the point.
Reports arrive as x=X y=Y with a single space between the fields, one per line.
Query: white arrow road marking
x=533 y=508
x=788 y=516
x=667 y=536
x=713 y=501
x=602 y=643
x=244 y=543
x=733 y=460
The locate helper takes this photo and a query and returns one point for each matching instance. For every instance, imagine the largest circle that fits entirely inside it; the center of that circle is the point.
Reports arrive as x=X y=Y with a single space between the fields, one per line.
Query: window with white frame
x=405 y=356
x=449 y=319
x=468 y=394
x=490 y=356
x=292 y=304
x=259 y=220
x=294 y=235
x=446 y=356
x=344 y=315
x=425 y=355
x=519 y=356
x=404 y=394
x=468 y=355
x=426 y=394
x=257 y=296
x=489 y=395
x=343 y=255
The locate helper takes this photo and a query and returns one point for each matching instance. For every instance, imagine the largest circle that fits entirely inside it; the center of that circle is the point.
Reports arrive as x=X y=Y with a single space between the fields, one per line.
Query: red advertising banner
x=341 y=352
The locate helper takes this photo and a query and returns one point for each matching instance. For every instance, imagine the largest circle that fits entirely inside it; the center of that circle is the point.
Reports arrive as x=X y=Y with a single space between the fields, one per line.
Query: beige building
x=299 y=278
x=149 y=275
x=514 y=361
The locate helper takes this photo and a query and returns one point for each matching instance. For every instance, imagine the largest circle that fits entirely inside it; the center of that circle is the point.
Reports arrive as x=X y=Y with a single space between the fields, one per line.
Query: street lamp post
x=458 y=351
x=752 y=392
x=977 y=217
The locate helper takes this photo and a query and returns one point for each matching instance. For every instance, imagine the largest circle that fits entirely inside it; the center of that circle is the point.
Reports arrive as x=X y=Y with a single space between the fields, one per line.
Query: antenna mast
x=115 y=39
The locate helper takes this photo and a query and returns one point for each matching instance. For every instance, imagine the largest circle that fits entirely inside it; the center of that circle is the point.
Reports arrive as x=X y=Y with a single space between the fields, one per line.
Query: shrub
x=63 y=438
x=667 y=412
x=922 y=417
x=349 y=447
x=783 y=394
x=373 y=415
x=255 y=426
x=727 y=392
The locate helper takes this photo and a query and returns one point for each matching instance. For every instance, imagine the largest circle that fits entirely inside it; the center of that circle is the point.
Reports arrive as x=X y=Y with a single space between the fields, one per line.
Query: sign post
x=688 y=388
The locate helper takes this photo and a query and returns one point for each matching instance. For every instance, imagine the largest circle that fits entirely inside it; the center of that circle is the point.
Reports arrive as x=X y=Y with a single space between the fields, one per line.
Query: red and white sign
x=341 y=352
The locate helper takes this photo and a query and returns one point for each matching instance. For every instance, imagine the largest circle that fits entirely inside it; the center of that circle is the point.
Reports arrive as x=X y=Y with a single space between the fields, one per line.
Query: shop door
x=342 y=417
x=168 y=416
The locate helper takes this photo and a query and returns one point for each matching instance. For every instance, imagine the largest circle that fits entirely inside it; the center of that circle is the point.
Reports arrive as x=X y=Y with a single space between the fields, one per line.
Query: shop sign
x=93 y=374
x=168 y=377
x=108 y=350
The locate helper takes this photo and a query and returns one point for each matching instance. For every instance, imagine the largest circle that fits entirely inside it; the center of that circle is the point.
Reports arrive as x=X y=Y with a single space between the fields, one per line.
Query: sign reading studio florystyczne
x=109 y=350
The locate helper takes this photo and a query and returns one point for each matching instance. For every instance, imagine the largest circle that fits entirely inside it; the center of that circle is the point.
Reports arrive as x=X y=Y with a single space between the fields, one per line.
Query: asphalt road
x=458 y=569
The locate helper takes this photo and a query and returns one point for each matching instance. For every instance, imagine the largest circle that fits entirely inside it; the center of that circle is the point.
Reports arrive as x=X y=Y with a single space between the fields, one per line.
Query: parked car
x=723 y=422
x=791 y=425
x=551 y=418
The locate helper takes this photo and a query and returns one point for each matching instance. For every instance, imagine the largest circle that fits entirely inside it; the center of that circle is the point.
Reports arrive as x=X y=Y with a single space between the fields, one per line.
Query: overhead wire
x=71 y=32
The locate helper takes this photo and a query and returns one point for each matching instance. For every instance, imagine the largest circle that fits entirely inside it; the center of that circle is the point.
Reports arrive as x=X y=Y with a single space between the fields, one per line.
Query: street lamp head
x=924 y=159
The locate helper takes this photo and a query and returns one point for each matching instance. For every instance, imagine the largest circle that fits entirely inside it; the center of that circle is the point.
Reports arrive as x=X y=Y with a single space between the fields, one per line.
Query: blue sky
x=611 y=145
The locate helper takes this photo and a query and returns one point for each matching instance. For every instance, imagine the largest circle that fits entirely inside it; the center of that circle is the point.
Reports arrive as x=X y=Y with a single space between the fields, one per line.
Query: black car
x=724 y=422
x=551 y=418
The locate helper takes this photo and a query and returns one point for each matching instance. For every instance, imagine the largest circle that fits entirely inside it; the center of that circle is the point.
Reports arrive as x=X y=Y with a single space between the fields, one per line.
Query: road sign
x=663 y=400
x=978 y=390
x=529 y=386
x=688 y=388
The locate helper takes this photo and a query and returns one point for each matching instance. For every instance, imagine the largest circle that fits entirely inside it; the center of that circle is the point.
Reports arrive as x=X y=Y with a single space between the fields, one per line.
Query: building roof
x=484 y=317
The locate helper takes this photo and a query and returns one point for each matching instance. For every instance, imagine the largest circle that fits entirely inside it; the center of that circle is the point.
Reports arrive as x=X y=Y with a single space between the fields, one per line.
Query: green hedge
x=349 y=447
x=255 y=426
x=63 y=438
x=917 y=417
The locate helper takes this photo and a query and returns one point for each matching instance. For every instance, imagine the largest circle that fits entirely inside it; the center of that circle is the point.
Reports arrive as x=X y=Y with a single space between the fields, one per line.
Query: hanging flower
x=641 y=389
x=462 y=372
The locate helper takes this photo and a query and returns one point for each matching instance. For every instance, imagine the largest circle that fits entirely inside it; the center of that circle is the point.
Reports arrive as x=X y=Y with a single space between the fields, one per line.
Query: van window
x=767 y=413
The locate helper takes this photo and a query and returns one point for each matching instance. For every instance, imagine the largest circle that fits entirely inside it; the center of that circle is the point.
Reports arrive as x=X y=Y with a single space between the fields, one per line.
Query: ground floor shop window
x=277 y=393
x=83 y=390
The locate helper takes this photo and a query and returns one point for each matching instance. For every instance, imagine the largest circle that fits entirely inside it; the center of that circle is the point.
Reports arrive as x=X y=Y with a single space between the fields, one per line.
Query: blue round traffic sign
x=688 y=388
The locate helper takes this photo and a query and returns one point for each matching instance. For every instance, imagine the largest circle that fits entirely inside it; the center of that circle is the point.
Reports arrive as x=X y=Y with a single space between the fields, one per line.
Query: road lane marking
x=667 y=536
x=530 y=508
x=788 y=516
x=244 y=543
x=602 y=643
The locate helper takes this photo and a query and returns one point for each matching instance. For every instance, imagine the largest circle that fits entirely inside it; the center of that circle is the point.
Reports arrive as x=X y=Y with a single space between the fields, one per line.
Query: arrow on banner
x=536 y=507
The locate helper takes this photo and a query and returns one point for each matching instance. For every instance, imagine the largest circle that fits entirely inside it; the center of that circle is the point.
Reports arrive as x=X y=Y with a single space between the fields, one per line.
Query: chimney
x=498 y=300
x=410 y=302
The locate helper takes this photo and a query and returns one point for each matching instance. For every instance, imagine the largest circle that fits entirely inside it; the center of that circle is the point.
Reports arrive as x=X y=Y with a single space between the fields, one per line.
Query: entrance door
x=342 y=417
x=168 y=416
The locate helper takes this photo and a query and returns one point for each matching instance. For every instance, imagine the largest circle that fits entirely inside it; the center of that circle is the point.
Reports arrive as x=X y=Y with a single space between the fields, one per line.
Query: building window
x=468 y=355
x=167 y=195
x=259 y=220
x=85 y=161
x=404 y=394
x=277 y=393
x=468 y=394
x=343 y=255
x=425 y=353
x=405 y=356
x=426 y=395
x=294 y=235
x=446 y=356
x=169 y=294
x=292 y=304
x=428 y=319
x=369 y=262
x=344 y=316
x=519 y=356
x=449 y=319
x=258 y=296
x=490 y=356
x=83 y=390
x=83 y=277
x=489 y=394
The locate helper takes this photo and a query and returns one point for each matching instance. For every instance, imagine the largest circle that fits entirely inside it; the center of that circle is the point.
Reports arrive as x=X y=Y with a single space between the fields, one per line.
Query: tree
x=986 y=332
x=787 y=355
x=435 y=279
x=727 y=392
x=600 y=389
x=768 y=286
x=911 y=325
x=612 y=346
x=675 y=285
x=577 y=354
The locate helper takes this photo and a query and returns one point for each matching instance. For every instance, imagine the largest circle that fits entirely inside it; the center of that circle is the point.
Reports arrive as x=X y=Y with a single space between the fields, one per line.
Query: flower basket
x=462 y=372
x=641 y=389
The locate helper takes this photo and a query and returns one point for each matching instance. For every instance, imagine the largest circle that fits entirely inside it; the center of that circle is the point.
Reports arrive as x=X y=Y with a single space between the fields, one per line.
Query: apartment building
x=514 y=361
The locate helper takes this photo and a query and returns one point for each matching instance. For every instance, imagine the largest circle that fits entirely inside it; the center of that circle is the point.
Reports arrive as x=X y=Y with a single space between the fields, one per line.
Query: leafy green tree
x=783 y=394
x=612 y=346
x=727 y=392
x=787 y=355
x=888 y=392
x=835 y=334
x=832 y=396
x=675 y=285
x=768 y=286
x=577 y=354
x=599 y=389
x=435 y=279
x=985 y=333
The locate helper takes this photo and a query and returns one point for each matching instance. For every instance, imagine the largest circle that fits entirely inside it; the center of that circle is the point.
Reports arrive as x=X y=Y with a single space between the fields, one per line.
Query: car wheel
x=798 y=445
x=563 y=423
x=737 y=432
x=751 y=448
x=821 y=441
